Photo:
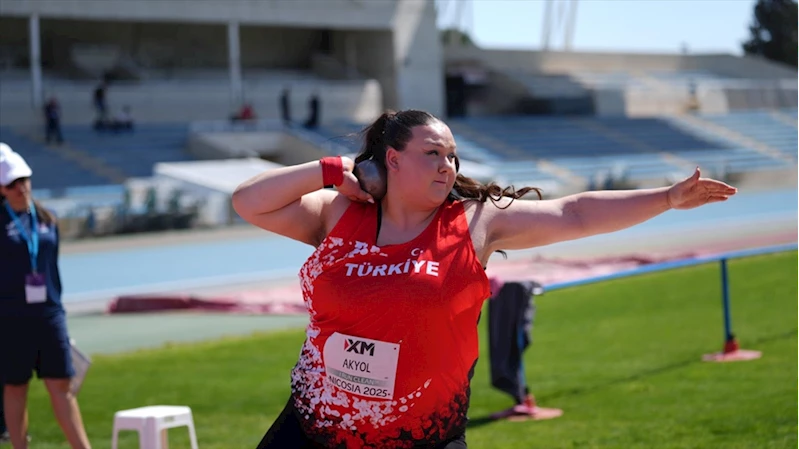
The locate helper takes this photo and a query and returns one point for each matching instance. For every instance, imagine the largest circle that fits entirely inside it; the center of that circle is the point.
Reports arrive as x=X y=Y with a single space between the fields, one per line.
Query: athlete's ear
x=392 y=159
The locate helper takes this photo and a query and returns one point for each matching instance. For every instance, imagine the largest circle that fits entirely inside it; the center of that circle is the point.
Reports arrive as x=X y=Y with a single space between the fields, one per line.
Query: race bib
x=361 y=366
x=35 y=288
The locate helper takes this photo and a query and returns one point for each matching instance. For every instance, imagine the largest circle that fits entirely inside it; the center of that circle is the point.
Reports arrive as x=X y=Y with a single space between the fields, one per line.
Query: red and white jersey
x=392 y=340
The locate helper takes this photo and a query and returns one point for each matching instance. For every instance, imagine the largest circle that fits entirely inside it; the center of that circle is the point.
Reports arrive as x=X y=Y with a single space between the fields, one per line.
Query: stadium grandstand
x=562 y=120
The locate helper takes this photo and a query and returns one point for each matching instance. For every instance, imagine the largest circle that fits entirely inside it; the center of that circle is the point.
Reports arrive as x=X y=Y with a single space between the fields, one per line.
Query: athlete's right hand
x=351 y=188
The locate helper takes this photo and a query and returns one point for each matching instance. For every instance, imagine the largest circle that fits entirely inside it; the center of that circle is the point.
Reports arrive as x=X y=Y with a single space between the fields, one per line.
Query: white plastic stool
x=152 y=423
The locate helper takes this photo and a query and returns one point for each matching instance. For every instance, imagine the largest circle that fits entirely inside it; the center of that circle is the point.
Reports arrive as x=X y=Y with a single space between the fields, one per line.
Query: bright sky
x=661 y=26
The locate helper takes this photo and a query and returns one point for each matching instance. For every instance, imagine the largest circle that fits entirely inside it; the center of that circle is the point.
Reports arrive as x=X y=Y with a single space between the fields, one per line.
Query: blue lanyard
x=31 y=240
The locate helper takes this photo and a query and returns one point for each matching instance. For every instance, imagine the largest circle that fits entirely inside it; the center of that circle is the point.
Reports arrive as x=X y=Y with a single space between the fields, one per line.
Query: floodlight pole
x=547 y=25
x=569 y=32
x=563 y=21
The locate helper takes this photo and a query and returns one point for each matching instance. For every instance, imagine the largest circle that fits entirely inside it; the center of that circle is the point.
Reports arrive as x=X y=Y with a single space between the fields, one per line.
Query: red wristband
x=332 y=170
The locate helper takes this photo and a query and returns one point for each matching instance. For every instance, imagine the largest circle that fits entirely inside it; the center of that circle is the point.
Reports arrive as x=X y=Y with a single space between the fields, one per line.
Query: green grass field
x=622 y=358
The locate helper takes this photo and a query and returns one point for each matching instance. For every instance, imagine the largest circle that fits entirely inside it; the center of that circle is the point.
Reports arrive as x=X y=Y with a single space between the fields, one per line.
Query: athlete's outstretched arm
x=290 y=201
x=526 y=224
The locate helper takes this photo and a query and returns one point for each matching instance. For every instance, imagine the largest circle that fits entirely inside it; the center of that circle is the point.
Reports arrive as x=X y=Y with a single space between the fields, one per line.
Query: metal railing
x=730 y=343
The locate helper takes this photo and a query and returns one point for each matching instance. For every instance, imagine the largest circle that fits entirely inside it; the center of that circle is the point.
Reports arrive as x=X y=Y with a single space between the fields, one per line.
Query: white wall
x=751 y=82
x=191 y=101
x=396 y=42
x=563 y=62
x=357 y=14
x=375 y=59
x=406 y=61
x=162 y=44
x=418 y=57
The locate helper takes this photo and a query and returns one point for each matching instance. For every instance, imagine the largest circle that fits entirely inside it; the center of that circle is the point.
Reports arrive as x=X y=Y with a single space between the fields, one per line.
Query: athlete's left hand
x=696 y=191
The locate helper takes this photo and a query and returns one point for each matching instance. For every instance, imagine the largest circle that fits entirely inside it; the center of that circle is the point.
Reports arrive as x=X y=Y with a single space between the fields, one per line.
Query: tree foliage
x=453 y=35
x=773 y=31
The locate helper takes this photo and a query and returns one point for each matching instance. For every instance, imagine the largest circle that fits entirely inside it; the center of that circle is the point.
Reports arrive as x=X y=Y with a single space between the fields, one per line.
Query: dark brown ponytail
x=373 y=136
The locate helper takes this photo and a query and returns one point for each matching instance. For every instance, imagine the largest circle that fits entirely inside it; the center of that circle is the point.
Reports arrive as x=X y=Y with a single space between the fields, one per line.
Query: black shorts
x=286 y=432
x=34 y=344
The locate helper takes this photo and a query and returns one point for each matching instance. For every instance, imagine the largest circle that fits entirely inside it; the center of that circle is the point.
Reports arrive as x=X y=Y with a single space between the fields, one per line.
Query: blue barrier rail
x=730 y=343
x=674 y=264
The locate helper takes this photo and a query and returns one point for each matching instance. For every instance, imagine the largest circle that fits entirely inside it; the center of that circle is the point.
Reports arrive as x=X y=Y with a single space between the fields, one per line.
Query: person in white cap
x=31 y=313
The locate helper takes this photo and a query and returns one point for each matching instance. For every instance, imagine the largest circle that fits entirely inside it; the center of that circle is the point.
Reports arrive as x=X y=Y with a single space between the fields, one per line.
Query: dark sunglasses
x=14 y=183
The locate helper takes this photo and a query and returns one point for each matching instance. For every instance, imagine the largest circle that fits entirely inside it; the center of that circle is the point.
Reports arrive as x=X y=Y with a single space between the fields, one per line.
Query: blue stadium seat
x=733 y=160
x=132 y=153
x=639 y=148
x=762 y=126
x=51 y=169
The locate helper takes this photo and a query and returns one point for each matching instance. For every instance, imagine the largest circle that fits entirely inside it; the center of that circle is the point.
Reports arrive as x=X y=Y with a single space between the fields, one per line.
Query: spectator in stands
x=395 y=287
x=285 y=106
x=245 y=114
x=100 y=105
x=33 y=332
x=52 y=118
x=693 y=99
x=124 y=120
x=313 y=107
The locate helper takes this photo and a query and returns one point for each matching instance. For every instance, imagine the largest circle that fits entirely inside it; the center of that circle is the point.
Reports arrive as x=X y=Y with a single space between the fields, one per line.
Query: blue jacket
x=15 y=264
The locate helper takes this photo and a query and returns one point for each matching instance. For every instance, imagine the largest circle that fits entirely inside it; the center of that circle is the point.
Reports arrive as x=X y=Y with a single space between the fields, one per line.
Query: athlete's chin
x=438 y=196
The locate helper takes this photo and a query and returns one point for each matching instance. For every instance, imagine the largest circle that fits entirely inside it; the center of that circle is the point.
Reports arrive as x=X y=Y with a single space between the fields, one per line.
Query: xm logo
x=358 y=346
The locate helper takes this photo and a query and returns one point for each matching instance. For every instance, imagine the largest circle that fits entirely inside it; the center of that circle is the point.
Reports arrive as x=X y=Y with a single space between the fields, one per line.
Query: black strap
x=379 y=220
